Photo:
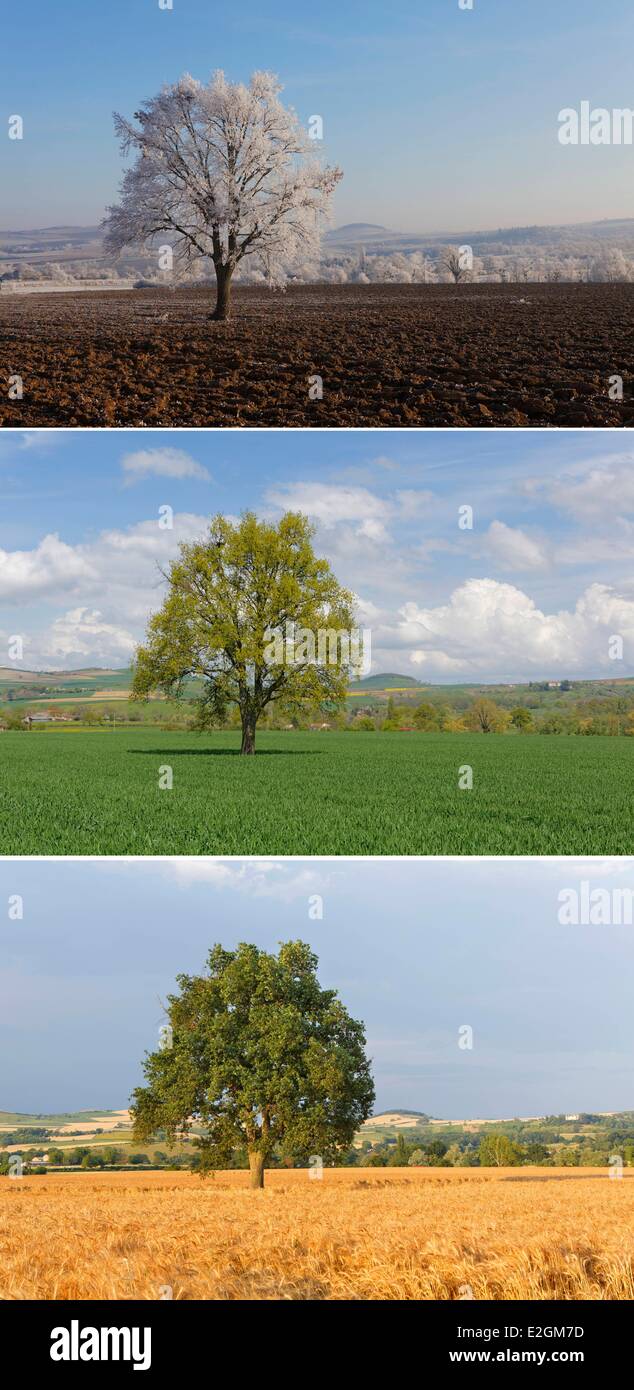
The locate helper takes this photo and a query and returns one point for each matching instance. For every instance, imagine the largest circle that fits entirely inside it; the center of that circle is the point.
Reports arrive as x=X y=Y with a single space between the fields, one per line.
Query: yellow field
x=356 y=1234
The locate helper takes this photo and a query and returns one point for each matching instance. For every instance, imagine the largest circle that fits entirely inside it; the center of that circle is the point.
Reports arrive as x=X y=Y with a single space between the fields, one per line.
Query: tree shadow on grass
x=225 y=753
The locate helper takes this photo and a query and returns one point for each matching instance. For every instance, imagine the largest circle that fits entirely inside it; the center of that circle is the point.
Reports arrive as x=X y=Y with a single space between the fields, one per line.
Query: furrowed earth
x=85 y=792
x=388 y=355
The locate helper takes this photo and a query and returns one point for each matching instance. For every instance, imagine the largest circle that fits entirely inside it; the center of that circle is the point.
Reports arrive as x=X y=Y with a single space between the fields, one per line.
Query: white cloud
x=591 y=492
x=162 y=463
x=512 y=549
x=373 y=530
x=329 y=504
x=29 y=441
x=82 y=633
x=118 y=576
x=52 y=567
x=489 y=629
x=414 y=502
x=264 y=879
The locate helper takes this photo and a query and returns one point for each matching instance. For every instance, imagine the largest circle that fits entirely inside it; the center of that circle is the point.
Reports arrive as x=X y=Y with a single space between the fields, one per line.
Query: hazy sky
x=441 y=118
x=417 y=949
x=535 y=590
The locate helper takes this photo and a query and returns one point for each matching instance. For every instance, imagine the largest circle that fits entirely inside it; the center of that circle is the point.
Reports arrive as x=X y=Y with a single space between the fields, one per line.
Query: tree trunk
x=248 y=734
x=223 y=295
x=256 y=1164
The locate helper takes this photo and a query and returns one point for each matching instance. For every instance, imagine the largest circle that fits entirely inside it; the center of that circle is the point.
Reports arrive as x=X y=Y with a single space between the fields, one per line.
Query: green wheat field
x=322 y=793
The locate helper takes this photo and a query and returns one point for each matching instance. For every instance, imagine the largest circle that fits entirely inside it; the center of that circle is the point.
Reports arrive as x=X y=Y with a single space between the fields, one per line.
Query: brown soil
x=389 y=355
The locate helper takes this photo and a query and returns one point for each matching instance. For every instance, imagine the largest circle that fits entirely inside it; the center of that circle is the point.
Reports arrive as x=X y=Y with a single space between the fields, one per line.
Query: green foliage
x=261 y=1057
x=485 y=717
x=498 y=1151
x=237 y=607
x=426 y=717
x=522 y=719
x=14 y=719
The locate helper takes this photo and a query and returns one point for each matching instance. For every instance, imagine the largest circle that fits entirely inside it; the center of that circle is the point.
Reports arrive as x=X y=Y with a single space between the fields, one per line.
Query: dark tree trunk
x=223 y=295
x=248 y=734
x=256 y=1165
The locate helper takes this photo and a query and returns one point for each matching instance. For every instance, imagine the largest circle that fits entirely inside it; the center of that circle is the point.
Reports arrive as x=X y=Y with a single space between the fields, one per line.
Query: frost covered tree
x=227 y=172
x=454 y=262
x=610 y=267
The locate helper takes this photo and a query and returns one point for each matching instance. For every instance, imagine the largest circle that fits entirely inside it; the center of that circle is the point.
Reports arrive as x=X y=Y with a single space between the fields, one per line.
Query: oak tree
x=261 y=1058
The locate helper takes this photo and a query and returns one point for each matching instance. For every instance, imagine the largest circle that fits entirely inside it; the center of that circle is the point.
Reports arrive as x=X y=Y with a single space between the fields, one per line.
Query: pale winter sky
x=442 y=118
x=534 y=590
x=87 y=969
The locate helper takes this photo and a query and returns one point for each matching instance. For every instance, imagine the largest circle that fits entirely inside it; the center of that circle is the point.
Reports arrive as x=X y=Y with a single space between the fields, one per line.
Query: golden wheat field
x=355 y=1234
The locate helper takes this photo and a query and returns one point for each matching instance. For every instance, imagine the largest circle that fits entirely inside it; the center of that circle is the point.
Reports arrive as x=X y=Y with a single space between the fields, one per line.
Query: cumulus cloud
x=488 y=628
x=124 y=557
x=82 y=633
x=51 y=566
x=118 y=575
x=162 y=463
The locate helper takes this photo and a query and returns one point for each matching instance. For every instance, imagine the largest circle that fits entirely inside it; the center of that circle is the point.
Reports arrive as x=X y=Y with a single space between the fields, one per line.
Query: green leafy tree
x=485 y=716
x=14 y=719
x=399 y=1158
x=538 y=1154
x=377 y=1159
x=521 y=719
x=261 y=1057
x=110 y=1155
x=253 y=611
x=453 y=1155
x=426 y=718
x=498 y=1151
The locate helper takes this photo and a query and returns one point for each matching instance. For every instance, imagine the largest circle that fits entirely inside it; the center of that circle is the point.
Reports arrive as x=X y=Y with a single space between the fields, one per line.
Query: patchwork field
x=406 y=1234
x=323 y=793
x=393 y=355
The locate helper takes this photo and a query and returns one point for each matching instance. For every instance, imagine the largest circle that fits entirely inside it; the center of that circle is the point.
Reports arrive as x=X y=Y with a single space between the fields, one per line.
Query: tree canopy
x=227 y=172
x=260 y=1057
x=253 y=611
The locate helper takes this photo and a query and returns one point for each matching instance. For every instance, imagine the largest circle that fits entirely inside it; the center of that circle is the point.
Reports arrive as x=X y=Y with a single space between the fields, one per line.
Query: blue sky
x=534 y=590
x=441 y=118
x=100 y=944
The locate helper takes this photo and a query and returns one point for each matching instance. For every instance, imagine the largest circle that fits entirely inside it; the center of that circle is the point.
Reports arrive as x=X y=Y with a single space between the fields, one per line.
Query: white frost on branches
x=226 y=172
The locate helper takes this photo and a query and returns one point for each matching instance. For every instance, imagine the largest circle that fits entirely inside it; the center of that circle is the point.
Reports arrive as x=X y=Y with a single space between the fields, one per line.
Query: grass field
x=98 y=793
x=357 y=1234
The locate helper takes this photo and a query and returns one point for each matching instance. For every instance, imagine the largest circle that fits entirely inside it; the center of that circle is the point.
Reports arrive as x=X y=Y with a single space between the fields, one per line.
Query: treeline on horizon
x=611 y=715
x=511 y=1146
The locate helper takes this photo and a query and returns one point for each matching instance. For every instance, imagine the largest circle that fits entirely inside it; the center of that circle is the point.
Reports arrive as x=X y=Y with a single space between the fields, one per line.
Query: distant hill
x=387 y=681
x=358 y=231
x=397 y=1119
x=42 y=245
x=15 y=675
